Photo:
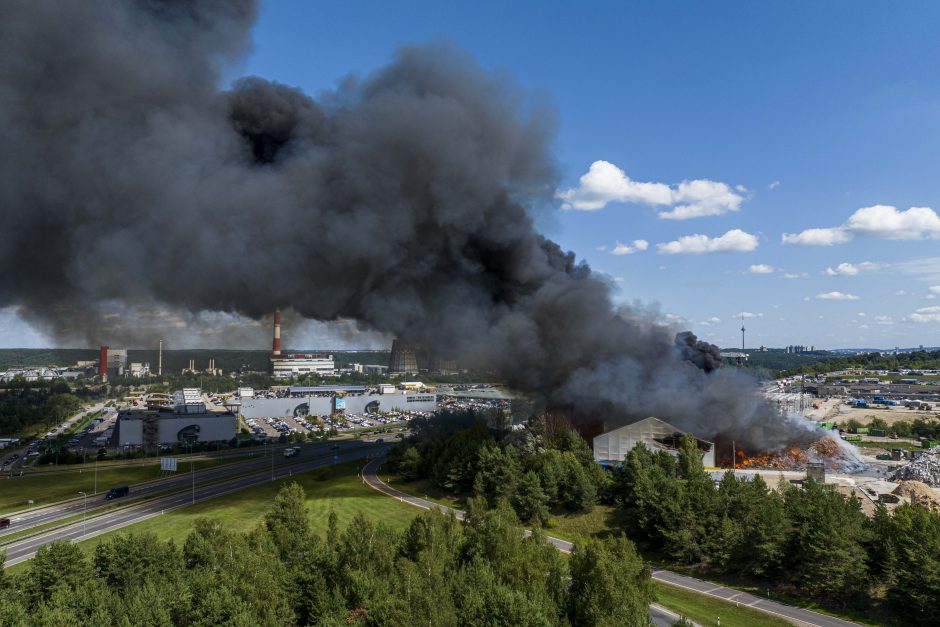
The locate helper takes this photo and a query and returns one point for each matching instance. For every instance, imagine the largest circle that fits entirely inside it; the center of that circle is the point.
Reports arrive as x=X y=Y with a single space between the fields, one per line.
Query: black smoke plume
x=131 y=182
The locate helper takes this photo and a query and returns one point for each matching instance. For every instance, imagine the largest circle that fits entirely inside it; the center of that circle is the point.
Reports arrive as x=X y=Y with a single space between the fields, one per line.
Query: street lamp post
x=84 y=510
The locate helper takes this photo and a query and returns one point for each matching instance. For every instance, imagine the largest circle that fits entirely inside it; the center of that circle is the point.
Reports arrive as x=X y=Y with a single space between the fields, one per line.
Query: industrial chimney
x=276 y=349
x=103 y=363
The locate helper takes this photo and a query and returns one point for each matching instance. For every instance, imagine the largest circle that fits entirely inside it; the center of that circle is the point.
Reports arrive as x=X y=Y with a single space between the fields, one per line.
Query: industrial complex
x=186 y=420
x=325 y=400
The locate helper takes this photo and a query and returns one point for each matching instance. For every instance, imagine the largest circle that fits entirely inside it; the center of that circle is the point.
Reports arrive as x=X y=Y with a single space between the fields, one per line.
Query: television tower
x=742 y=333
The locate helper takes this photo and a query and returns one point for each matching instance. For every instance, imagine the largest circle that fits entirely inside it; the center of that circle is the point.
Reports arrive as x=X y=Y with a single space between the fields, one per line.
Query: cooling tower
x=404 y=358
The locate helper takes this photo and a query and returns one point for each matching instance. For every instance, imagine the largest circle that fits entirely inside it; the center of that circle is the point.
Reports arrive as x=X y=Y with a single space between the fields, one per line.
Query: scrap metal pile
x=825 y=450
x=925 y=469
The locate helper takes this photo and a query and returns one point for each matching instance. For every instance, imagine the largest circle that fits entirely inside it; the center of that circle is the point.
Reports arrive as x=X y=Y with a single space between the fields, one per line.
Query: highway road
x=21 y=550
x=182 y=480
x=795 y=615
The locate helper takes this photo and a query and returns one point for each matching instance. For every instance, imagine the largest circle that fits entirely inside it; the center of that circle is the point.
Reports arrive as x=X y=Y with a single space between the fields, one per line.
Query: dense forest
x=544 y=467
x=808 y=541
x=437 y=572
x=775 y=360
x=24 y=404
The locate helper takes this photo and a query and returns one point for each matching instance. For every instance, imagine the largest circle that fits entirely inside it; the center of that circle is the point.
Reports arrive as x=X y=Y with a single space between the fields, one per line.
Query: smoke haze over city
x=400 y=203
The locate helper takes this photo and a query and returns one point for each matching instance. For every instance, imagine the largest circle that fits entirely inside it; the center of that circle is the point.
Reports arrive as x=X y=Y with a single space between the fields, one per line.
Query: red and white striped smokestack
x=103 y=362
x=277 y=332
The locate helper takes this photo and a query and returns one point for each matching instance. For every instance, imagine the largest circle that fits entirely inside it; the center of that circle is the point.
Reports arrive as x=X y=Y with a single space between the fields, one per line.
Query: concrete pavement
x=795 y=615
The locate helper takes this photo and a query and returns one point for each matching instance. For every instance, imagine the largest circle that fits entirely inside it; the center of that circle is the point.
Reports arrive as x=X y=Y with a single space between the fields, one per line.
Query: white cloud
x=926 y=314
x=734 y=240
x=624 y=249
x=928 y=267
x=887 y=222
x=878 y=221
x=748 y=314
x=699 y=198
x=760 y=268
x=795 y=275
x=774 y=185
x=601 y=248
x=934 y=289
x=851 y=269
x=605 y=183
x=836 y=296
x=884 y=320
x=902 y=293
x=711 y=321
x=817 y=237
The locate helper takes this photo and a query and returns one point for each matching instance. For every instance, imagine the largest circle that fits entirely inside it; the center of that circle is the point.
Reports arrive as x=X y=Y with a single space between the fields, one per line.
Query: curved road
x=795 y=615
x=19 y=551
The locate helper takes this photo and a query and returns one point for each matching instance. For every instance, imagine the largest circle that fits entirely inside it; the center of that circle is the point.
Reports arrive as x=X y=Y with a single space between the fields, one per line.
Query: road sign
x=168 y=463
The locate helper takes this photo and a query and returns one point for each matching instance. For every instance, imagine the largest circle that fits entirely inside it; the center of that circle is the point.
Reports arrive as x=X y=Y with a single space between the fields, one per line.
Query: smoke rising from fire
x=402 y=200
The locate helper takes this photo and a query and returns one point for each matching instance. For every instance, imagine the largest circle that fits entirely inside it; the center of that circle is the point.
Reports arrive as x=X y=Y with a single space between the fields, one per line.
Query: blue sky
x=781 y=116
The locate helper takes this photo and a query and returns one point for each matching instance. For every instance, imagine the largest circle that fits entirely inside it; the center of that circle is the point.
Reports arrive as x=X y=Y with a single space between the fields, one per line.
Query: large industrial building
x=288 y=366
x=112 y=362
x=612 y=447
x=325 y=400
x=188 y=421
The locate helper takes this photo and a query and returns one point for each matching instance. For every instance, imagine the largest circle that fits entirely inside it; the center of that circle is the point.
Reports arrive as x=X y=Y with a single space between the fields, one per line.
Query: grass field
x=706 y=610
x=339 y=489
x=43 y=489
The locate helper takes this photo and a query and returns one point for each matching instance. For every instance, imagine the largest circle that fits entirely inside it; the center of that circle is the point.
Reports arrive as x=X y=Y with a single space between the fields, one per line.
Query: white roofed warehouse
x=657 y=435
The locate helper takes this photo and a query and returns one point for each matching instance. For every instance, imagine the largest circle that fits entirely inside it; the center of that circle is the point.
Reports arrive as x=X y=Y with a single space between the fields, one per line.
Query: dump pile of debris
x=919 y=493
x=925 y=469
x=826 y=450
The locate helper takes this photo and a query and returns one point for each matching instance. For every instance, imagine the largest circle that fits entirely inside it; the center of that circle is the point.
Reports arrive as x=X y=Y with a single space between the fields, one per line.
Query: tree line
x=438 y=571
x=914 y=360
x=809 y=541
x=545 y=467
x=24 y=404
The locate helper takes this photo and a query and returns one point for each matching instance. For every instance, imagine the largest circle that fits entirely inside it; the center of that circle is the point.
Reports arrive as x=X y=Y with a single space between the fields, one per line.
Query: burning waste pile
x=835 y=455
x=925 y=469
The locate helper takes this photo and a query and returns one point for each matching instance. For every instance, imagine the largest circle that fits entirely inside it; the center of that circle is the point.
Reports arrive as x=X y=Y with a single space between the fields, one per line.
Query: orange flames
x=824 y=450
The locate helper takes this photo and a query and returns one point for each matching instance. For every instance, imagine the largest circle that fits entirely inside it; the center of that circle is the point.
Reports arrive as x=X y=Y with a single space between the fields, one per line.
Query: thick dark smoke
x=130 y=181
x=704 y=355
